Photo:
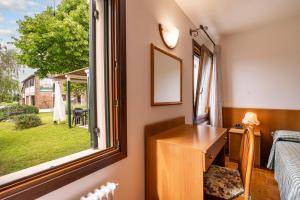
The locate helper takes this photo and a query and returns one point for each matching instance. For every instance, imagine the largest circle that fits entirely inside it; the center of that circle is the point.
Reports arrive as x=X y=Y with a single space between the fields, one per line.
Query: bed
x=285 y=160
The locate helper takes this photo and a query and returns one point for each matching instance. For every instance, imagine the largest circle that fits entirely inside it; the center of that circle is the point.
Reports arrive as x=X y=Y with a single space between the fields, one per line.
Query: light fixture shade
x=250 y=118
x=169 y=35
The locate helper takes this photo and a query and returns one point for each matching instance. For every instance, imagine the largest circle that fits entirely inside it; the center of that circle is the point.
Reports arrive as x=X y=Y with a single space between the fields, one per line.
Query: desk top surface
x=192 y=136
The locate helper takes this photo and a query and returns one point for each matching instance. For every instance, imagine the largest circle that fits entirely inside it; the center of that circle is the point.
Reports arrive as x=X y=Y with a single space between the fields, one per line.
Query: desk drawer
x=213 y=151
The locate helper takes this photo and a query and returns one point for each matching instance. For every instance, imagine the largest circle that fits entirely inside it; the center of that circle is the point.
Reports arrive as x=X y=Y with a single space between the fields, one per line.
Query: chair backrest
x=247 y=159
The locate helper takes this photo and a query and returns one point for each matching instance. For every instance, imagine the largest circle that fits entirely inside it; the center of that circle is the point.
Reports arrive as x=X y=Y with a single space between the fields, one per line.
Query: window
x=78 y=99
x=106 y=108
x=33 y=100
x=31 y=82
x=202 y=72
x=195 y=76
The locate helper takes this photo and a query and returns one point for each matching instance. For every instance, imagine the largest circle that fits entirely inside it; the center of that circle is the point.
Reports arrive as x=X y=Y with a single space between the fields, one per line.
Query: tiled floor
x=264 y=186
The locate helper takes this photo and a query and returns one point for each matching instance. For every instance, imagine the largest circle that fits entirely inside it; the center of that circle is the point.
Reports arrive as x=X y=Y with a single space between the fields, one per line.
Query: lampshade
x=169 y=35
x=250 y=118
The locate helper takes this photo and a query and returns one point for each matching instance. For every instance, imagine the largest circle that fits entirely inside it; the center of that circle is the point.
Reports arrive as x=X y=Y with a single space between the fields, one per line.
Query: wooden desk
x=177 y=158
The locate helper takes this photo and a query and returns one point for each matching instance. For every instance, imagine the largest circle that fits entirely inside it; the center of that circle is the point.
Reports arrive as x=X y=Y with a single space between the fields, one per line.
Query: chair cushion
x=223 y=182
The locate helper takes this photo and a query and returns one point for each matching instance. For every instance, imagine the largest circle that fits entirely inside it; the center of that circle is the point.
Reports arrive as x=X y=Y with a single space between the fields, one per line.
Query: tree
x=8 y=70
x=77 y=88
x=55 y=42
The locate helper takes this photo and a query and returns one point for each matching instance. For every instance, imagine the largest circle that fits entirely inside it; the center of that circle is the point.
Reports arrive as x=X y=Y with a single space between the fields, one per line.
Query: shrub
x=17 y=109
x=27 y=121
x=8 y=103
x=4 y=113
x=30 y=109
x=3 y=116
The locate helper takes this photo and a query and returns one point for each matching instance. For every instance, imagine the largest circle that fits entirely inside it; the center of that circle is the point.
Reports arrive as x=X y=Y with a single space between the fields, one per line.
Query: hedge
x=8 y=111
x=27 y=121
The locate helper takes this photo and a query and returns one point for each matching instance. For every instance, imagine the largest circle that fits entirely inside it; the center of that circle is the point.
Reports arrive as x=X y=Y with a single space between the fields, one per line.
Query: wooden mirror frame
x=153 y=103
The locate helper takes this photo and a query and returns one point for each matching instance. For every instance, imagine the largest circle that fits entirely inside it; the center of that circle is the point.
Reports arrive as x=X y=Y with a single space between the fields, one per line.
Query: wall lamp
x=169 y=35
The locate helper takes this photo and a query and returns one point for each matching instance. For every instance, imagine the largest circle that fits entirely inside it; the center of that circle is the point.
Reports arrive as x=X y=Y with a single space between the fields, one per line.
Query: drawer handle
x=225 y=138
x=210 y=157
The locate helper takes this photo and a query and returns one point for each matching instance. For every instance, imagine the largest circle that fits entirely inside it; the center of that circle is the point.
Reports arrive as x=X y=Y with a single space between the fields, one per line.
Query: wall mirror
x=166 y=78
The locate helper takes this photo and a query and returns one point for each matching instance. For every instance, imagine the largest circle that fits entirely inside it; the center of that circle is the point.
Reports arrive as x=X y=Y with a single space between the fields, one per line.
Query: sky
x=14 y=10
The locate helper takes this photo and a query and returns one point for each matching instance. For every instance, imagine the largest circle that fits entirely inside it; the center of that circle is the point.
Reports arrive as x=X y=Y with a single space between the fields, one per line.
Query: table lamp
x=250 y=118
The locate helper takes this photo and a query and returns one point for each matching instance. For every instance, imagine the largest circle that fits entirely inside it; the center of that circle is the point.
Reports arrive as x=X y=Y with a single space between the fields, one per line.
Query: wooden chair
x=224 y=183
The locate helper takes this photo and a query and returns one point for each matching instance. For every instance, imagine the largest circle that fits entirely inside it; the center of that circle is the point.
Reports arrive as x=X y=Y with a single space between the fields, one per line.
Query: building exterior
x=39 y=92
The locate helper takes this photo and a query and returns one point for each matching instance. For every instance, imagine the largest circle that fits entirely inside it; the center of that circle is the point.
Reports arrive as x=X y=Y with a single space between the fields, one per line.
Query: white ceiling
x=231 y=16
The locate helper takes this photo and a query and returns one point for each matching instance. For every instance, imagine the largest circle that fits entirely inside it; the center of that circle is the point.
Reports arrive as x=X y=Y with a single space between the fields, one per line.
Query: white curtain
x=216 y=92
x=59 y=109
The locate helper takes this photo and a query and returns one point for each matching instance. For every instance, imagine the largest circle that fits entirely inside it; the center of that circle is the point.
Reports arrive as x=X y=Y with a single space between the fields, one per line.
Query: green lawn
x=20 y=149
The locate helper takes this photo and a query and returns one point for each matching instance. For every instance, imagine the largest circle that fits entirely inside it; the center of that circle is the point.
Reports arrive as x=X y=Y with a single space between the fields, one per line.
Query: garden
x=41 y=44
x=28 y=138
x=44 y=45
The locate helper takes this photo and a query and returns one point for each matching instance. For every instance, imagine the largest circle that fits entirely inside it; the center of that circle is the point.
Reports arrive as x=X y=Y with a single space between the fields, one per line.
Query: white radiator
x=105 y=192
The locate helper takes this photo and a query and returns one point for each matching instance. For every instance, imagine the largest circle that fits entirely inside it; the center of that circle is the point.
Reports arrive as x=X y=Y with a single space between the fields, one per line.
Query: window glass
x=204 y=86
x=62 y=112
x=196 y=71
x=201 y=82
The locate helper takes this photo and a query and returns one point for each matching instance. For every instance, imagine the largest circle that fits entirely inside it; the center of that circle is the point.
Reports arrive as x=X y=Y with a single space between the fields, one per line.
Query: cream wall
x=143 y=17
x=261 y=67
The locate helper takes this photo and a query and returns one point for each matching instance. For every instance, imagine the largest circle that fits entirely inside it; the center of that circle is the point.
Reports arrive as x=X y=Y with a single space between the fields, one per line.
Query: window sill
x=44 y=166
x=39 y=184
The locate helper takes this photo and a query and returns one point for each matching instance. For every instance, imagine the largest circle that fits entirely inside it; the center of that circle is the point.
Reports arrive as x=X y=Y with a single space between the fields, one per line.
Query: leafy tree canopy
x=55 y=42
x=8 y=69
x=77 y=88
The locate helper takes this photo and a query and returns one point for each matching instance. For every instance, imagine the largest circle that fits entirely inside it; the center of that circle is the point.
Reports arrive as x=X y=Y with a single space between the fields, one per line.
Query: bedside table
x=235 y=138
